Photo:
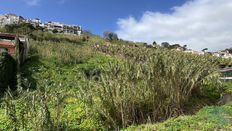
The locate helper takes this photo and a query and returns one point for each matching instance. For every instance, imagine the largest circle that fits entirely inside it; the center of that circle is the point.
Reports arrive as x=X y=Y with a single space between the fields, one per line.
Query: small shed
x=16 y=46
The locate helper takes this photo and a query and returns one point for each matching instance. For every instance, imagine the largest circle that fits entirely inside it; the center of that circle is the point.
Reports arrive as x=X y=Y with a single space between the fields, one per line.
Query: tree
x=23 y=28
x=205 y=49
x=10 y=28
x=111 y=36
x=175 y=46
x=154 y=43
x=165 y=44
x=229 y=50
x=55 y=31
x=184 y=47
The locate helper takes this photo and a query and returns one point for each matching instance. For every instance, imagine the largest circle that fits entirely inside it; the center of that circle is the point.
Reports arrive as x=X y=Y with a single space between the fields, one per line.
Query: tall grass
x=53 y=71
x=61 y=53
x=148 y=87
x=32 y=110
x=142 y=85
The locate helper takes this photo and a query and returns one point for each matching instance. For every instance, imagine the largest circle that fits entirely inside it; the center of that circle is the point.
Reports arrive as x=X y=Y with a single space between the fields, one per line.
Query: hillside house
x=222 y=54
x=50 y=26
x=35 y=22
x=68 y=29
x=194 y=52
x=63 y=28
x=9 y=19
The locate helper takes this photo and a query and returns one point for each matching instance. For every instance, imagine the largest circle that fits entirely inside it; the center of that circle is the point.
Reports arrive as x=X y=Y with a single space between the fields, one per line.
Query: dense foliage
x=111 y=36
x=152 y=85
x=86 y=83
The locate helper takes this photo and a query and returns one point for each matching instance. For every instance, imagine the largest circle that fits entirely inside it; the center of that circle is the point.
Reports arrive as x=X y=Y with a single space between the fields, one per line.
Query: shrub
x=110 y=36
x=62 y=53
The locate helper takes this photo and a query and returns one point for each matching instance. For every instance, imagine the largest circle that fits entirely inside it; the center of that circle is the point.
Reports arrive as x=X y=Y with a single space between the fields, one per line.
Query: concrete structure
x=9 y=19
x=221 y=54
x=72 y=29
x=51 y=26
x=225 y=54
x=194 y=52
x=35 y=22
x=17 y=46
x=62 y=28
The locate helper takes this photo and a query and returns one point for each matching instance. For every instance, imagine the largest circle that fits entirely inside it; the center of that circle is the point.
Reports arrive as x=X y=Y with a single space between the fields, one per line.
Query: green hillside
x=87 y=83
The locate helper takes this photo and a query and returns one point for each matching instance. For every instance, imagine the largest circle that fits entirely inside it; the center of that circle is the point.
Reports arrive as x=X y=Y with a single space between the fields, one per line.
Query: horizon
x=185 y=22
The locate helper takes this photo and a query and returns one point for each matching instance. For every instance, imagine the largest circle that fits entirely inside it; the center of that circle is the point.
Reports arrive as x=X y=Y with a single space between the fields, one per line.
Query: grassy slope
x=207 y=118
x=64 y=69
x=55 y=71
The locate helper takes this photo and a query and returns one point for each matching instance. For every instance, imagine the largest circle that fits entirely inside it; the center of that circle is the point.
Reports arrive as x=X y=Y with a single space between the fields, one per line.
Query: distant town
x=58 y=27
x=10 y=19
x=223 y=54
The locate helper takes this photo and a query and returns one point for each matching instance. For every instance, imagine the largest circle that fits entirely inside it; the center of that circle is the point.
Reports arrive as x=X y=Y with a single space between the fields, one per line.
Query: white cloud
x=197 y=23
x=32 y=2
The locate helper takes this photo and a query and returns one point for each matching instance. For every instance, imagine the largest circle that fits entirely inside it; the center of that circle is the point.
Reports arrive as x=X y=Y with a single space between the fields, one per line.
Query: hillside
x=87 y=83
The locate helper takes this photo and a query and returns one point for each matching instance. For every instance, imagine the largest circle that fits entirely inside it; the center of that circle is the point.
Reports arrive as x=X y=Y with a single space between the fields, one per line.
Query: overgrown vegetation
x=152 y=85
x=86 y=83
x=24 y=28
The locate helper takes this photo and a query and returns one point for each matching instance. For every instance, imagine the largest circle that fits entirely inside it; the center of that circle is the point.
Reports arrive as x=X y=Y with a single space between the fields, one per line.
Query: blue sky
x=196 y=23
x=95 y=15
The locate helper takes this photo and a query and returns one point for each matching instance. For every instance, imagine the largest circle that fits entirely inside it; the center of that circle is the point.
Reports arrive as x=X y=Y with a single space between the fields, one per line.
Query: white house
x=36 y=20
x=194 y=52
x=8 y=19
x=222 y=54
